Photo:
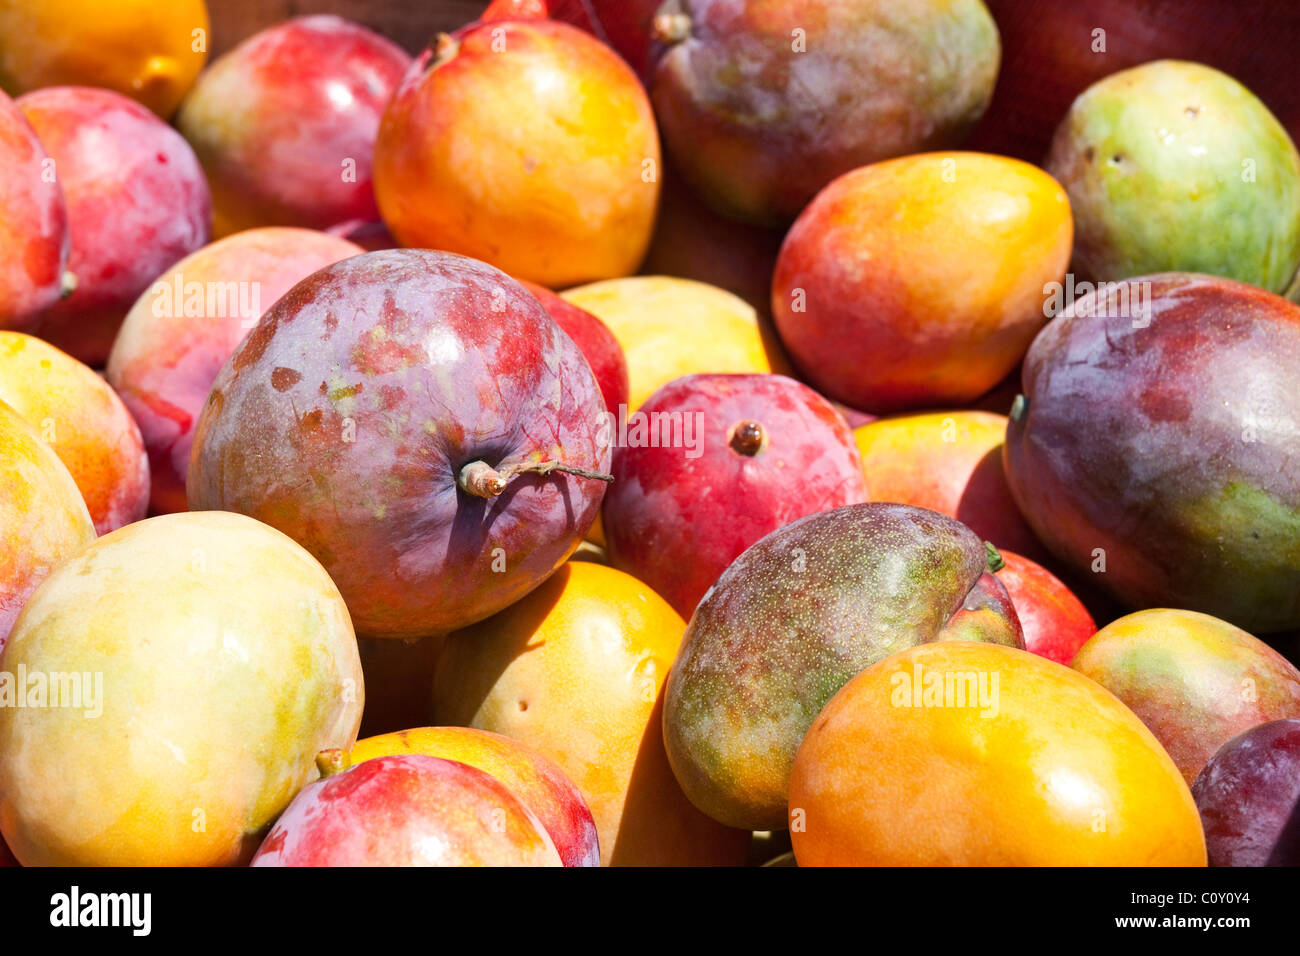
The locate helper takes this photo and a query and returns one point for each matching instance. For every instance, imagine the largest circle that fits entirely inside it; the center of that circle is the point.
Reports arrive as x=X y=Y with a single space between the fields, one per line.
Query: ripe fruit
x=84 y=421
x=795 y=617
x=960 y=754
x=33 y=223
x=562 y=182
x=1175 y=167
x=673 y=327
x=949 y=462
x=177 y=335
x=597 y=343
x=709 y=465
x=1152 y=442
x=536 y=780
x=222 y=661
x=961 y=246
x=1194 y=680
x=406 y=810
x=764 y=104
x=575 y=670
x=137 y=201
x=402 y=415
x=43 y=518
x=285 y=124
x=1055 y=622
x=1248 y=796
x=146 y=50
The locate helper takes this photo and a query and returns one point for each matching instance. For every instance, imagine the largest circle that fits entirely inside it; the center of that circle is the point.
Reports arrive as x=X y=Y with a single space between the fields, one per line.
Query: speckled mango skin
x=228 y=662
x=84 y=421
x=1152 y=158
x=535 y=779
x=1194 y=680
x=43 y=518
x=407 y=810
x=1137 y=441
x=1057 y=773
x=345 y=416
x=757 y=126
x=792 y=620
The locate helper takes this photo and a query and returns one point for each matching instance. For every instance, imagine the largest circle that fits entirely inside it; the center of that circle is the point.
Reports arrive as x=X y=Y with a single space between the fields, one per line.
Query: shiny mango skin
x=919 y=282
x=532 y=777
x=1154 y=159
x=792 y=620
x=1165 y=442
x=285 y=124
x=1054 y=772
x=527 y=144
x=146 y=50
x=1194 y=680
x=228 y=663
x=759 y=117
x=137 y=202
x=86 y=424
x=407 y=810
x=576 y=671
x=43 y=518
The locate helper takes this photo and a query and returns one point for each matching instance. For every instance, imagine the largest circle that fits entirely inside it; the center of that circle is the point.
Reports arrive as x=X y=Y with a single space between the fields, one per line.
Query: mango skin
x=228 y=663
x=1057 y=773
x=408 y=810
x=43 y=518
x=345 y=416
x=576 y=671
x=86 y=423
x=561 y=183
x=1195 y=681
x=1170 y=446
x=536 y=780
x=950 y=462
x=919 y=282
x=758 y=117
x=669 y=327
x=140 y=48
x=794 y=618
x=1155 y=161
